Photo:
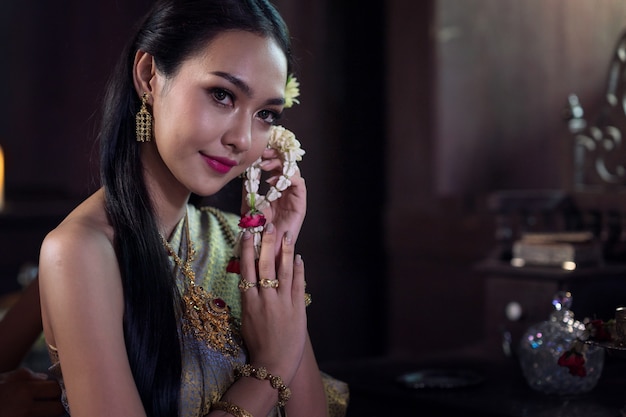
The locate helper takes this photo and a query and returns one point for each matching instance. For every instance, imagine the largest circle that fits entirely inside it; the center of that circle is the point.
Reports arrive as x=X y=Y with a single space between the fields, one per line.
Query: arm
x=27 y=394
x=274 y=330
x=307 y=390
x=82 y=310
x=23 y=392
x=20 y=327
x=286 y=215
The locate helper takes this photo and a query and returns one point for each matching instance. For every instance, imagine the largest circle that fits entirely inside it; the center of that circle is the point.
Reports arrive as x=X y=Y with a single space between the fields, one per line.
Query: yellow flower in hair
x=292 y=90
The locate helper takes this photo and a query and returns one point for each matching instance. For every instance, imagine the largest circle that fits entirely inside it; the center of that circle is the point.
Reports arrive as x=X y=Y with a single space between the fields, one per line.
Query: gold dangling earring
x=143 y=121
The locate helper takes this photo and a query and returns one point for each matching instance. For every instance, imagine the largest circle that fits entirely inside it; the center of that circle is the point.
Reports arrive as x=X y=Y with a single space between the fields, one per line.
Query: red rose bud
x=252 y=220
x=233 y=266
x=575 y=362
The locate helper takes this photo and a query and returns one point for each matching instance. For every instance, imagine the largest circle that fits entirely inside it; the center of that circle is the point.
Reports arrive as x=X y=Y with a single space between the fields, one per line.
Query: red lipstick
x=219 y=164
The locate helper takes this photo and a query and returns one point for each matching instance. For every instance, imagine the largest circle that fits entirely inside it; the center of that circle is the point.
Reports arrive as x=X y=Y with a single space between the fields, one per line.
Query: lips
x=221 y=165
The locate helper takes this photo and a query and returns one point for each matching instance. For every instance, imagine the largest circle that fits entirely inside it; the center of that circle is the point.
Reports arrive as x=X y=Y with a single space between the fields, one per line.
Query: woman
x=138 y=310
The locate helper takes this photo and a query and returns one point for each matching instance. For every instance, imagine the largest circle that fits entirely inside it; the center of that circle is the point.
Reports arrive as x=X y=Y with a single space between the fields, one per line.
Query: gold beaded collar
x=205 y=317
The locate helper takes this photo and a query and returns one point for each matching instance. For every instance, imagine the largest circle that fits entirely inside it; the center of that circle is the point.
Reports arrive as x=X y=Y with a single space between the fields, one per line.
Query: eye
x=269 y=116
x=222 y=96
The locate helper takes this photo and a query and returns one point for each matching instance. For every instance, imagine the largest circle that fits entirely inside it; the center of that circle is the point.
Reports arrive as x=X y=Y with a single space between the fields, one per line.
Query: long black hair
x=172 y=31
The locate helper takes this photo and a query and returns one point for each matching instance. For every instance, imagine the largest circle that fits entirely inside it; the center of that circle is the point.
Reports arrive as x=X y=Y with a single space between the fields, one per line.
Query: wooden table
x=376 y=392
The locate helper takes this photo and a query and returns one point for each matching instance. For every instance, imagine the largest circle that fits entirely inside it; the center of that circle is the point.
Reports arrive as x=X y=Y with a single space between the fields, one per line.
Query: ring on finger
x=268 y=283
x=245 y=285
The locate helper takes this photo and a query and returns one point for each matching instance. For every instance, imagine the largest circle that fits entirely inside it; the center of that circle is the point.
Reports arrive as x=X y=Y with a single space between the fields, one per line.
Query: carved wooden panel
x=599 y=148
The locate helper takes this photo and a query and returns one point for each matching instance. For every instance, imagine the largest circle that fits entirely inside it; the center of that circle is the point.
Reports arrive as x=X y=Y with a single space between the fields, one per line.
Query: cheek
x=163 y=124
x=178 y=127
x=259 y=144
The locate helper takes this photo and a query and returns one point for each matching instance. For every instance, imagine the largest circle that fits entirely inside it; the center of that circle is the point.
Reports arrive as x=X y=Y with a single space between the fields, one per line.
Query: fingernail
x=287 y=238
x=272 y=180
x=269 y=228
x=298 y=260
x=246 y=235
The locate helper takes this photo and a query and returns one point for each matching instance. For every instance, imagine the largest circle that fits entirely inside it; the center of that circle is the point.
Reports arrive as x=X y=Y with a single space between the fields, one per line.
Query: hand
x=274 y=319
x=24 y=393
x=286 y=213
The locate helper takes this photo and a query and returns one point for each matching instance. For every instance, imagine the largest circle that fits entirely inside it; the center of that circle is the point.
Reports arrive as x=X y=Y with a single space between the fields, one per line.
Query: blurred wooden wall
x=476 y=92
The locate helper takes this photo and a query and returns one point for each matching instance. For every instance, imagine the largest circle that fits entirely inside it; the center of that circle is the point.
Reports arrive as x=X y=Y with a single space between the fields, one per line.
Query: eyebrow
x=245 y=88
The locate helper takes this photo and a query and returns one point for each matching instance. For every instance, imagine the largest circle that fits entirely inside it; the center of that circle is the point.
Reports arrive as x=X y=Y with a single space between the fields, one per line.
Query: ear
x=143 y=72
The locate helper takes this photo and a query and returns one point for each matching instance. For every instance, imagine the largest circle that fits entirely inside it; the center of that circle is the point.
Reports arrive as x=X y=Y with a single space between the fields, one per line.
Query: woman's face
x=212 y=119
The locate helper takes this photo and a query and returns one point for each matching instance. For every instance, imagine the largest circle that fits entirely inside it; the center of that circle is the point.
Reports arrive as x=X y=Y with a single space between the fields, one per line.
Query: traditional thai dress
x=208 y=367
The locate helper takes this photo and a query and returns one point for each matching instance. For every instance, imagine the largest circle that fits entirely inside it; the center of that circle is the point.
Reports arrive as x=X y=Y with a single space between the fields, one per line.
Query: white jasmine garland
x=289 y=151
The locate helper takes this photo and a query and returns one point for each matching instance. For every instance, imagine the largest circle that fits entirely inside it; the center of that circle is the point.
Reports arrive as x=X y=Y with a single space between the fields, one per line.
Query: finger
x=247 y=264
x=285 y=272
x=269 y=153
x=23 y=374
x=267 y=260
x=267 y=268
x=298 y=285
x=274 y=164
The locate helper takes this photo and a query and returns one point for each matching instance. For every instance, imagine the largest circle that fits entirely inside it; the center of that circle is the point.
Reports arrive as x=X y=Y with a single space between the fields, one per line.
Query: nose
x=239 y=133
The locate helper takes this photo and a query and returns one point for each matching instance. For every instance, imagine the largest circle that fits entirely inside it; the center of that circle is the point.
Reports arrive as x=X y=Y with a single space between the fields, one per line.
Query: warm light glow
x=518 y=262
x=1 y=178
x=569 y=266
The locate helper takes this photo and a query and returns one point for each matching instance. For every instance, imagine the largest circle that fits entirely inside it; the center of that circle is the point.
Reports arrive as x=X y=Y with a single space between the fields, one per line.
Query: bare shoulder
x=78 y=269
x=84 y=236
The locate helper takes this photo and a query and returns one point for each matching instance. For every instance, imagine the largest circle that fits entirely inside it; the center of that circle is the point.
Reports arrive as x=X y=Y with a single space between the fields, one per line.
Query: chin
x=208 y=190
x=204 y=193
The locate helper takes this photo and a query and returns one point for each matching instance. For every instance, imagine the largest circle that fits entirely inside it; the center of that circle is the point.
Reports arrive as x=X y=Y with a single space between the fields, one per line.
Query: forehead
x=255 y=59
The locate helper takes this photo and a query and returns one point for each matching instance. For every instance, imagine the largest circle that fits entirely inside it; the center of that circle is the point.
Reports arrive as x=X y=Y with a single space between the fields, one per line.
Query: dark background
x=412 y=113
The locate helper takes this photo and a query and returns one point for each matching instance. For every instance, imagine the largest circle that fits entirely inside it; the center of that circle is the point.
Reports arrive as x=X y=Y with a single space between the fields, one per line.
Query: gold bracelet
x=284 y=393
x=230 y=408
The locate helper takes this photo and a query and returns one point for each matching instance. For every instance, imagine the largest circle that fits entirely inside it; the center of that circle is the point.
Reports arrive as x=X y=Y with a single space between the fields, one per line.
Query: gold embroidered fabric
x=208 y=373
x=337 y=396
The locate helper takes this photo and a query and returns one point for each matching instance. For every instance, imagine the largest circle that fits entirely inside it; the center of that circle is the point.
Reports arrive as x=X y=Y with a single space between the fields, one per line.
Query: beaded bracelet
x=284 y=393
x=230 y=408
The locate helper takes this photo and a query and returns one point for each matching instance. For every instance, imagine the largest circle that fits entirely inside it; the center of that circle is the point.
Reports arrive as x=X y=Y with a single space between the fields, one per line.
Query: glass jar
x=543 y=344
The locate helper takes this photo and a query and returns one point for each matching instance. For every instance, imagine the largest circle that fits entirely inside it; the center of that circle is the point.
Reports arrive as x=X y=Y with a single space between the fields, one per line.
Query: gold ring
x=307 y=299
x=245 y=285
x=268 y=283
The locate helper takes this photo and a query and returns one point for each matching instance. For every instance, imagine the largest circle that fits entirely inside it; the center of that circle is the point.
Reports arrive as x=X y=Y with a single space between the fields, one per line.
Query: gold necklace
x=224 y=227
x=205 y=317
